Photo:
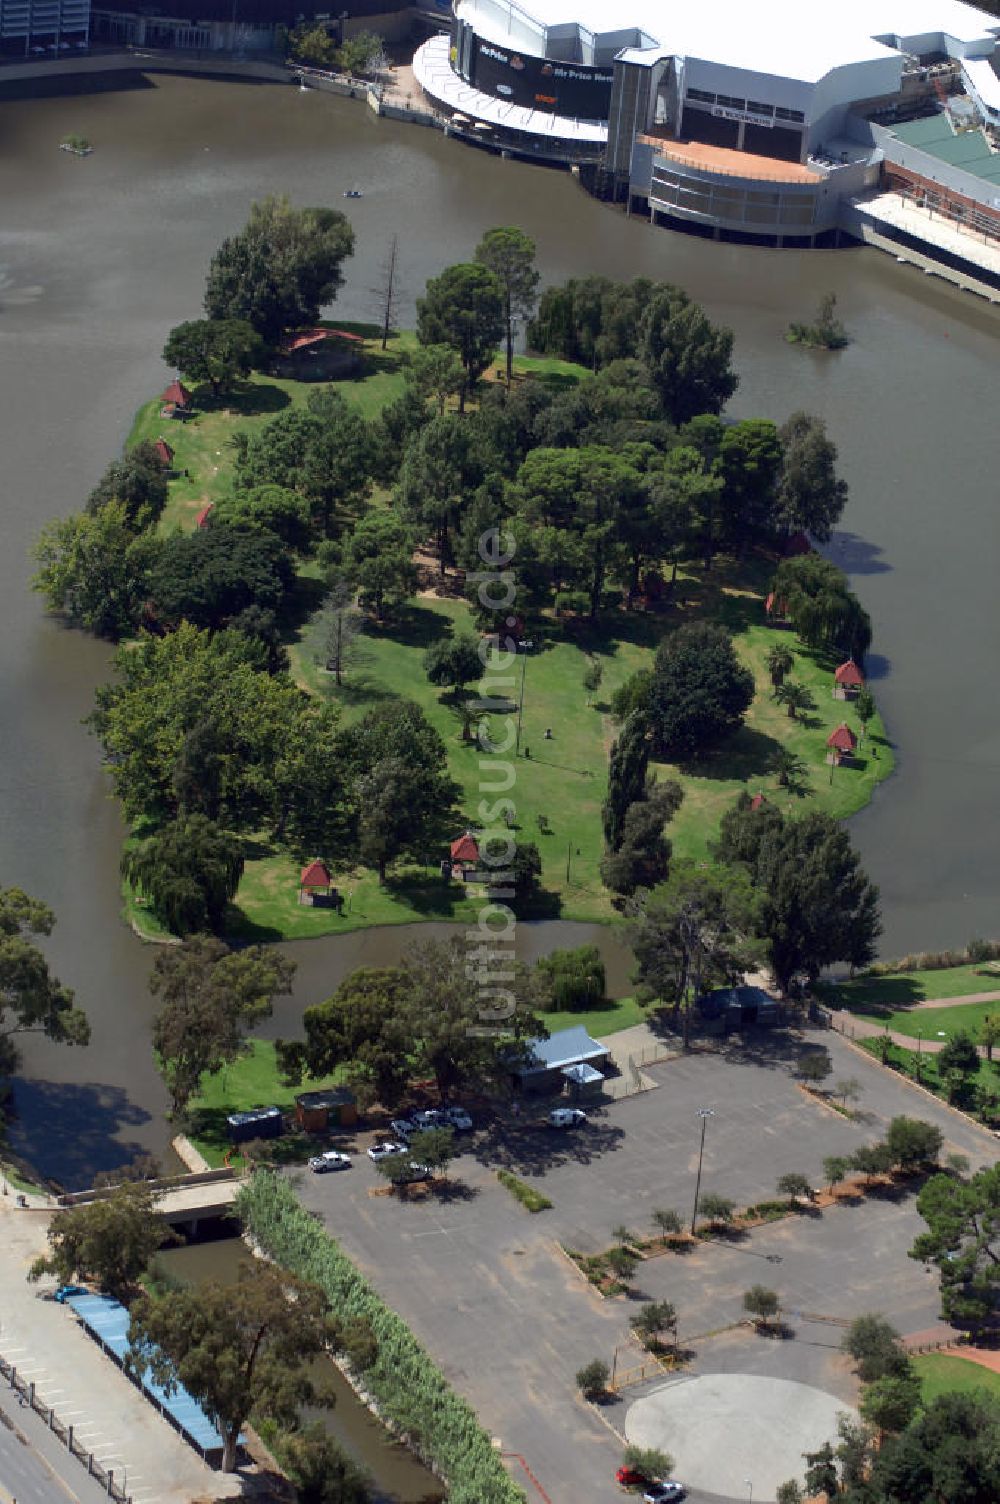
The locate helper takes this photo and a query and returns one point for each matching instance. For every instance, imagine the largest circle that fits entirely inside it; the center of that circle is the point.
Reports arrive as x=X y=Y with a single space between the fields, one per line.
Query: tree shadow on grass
x=428 y=894
x=240 y=929
x=253 y=399
x=359 y=689
x=894 y=994
x=748 y=754
x=413 y=626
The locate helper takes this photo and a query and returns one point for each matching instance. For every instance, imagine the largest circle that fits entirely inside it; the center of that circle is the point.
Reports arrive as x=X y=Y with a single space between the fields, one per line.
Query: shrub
x=575 y=978
x=533 y=1200
x=592 y=1379
x=649 y=1461
x=412 y=1393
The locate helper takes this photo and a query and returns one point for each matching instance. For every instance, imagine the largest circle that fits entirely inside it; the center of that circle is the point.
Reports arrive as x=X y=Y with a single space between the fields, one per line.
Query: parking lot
x=510 y=1320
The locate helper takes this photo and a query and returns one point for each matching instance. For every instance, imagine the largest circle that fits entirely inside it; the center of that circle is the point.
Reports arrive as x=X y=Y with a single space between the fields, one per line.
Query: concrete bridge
x=181 y=1200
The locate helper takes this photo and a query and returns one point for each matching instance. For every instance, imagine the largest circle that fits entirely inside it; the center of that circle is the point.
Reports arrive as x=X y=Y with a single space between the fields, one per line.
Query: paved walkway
x=863 y=1028
x=986 y=1357
x=109 y=1415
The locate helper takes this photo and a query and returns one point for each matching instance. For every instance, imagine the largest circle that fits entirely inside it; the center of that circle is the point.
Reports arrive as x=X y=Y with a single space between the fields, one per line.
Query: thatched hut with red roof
x=841 y=744
x=847 y=680
x=315 y=882
x=164 y=454
x=176 y=401
x=776 y=610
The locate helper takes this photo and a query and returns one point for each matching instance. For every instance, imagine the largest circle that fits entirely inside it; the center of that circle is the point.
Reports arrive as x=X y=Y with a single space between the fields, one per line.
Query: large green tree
x=453 y=662
x=642 y=859
x=211 y=998
x=700 y=691
x=949 y=1454
x=210 y=576
x=32 y=1000
x=378 y=558
x=188 y=871
x=463 y=308
x=95 y=570
x=823 y=611
x=280 y=269
x=136 y=482
x=109 y=1240
x=242 y=1350
x=628 y=766
x=963 y=1240
x=361 y=1031
x=510 y=255
x=688 y=358
x=810 y=495
x=218 y=351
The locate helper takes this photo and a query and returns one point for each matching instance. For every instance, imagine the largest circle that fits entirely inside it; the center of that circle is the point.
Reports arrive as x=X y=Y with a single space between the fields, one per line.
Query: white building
x=745 y=119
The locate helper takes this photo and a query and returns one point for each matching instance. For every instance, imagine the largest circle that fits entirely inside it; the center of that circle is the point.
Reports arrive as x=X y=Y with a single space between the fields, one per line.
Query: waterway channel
x=100 y=257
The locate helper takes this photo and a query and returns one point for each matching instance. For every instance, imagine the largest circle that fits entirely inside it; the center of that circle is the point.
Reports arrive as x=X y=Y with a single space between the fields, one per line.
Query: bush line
x=411 y=1392
x=521 y=1191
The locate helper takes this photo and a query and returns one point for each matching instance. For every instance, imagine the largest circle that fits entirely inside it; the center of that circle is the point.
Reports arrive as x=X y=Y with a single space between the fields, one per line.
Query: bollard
x=69 y=1438
x=31 y=1394
x=90 y=1463
x=111 y=1481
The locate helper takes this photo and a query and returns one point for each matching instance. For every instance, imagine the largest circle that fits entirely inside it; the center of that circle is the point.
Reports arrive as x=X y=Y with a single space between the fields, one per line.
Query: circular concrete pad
x=723 y=1428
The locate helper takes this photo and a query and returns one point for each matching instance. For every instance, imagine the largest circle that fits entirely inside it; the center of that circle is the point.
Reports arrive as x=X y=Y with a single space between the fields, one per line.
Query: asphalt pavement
x=34 y=1467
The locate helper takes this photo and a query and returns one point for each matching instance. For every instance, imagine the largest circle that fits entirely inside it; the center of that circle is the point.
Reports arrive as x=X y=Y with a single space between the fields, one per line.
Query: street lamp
x=526 y=645
x=704 y=1113
x=749 y=1484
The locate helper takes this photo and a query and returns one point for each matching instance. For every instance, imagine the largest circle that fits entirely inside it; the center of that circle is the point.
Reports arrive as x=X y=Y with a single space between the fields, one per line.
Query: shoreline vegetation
x=562 y=778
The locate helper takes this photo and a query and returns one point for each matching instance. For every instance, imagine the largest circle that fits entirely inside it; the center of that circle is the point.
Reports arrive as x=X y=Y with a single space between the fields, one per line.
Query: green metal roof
x=967 y=151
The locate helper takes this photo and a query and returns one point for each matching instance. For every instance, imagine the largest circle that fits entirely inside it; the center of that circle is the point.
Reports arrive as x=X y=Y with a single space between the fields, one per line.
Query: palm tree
x=467 y=714
x=794 y=697
x=788 y=768
x=779 y=663
x=989 y=1033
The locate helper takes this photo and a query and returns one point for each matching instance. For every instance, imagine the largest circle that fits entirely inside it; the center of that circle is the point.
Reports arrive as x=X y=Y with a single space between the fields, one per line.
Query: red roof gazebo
x=776 y=607
x=314 y=878
x=842 y=743
x=164 y=453
x=757 y=801
x=465 y=850
x=847 y=680
x=798 y=543
x=176 y=395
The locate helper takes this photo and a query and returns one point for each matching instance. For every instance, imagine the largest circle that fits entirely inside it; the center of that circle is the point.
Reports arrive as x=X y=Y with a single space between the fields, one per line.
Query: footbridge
x=181 y=1200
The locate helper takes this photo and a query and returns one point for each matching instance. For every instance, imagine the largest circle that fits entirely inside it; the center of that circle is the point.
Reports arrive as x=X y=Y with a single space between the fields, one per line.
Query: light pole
x=749 y=1484
x=526 y=645
x=704 y=1113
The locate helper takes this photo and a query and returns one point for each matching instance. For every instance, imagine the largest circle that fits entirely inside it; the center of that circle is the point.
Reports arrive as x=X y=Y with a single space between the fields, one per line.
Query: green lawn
x=913 y=1061
x=252 y=1081
x=940 y=1375
x=888 y=997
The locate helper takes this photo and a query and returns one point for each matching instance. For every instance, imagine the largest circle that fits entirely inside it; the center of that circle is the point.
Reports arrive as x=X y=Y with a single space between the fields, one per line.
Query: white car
x=383 y=1151
x=457 y=1118
x=330 y=1159
x=566 y=1117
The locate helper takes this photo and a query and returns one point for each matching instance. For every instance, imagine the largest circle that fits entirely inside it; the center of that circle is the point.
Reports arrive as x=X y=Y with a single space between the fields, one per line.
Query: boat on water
x=353 y=193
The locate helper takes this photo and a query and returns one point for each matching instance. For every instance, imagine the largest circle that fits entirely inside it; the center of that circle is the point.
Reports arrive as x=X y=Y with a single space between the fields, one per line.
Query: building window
x=731 y=102
x=796 y=115
x=700 y=94
x=759 y=108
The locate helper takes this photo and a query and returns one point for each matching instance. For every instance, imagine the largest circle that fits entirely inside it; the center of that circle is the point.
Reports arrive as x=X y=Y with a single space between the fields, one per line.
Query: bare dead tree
x=387 y=292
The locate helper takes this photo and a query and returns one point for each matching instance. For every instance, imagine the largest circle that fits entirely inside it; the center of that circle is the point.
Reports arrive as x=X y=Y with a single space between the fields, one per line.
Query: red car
x=628 y=1477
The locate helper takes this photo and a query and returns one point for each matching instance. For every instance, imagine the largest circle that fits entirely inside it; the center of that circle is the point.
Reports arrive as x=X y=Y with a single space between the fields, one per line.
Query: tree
x=211 y=575
x=339 y=628
x=716 y=1210
x=913 y=1143
x=667 y=1220
x=453 y=662
x=239 y=1350
x=360 y=1031
x=989 y=1034
x=795 y=1186
x=789 y=1492
x=592 y=1379
x=109 y=1240
x=218 y=351
x=864 y=706
x=789 y=769
x=810 y=497
x=847 y=1089
x=272 y=509
x=959 y=1053
x=688 y=359
x=434 y=1147
x=835 y=1169
x=628 y=766
x=463 y=308
x=95 y=570
x=312 y=44
x=32 y=1000
x=573 y=979
x=510 y=255
x=872 y=1159
x=622 y=1263
x=821 y=608
x=435 y=372
x=963 y=1240
x=358 y=54
x=814 y=1066
x=950 y=1452
x=592 y=676
x=817 y=906
x=378 y=557
x=700 y=691
x=795 y=697
x=137 y=483
x=876 y=1347
x=890 y=1404
x=827 y=333
x=653 y=1318
x=321 y=1470
x=652 y=1462
x=780 y=661
x=692 y=934
x=281 y=269
x=821 y=1471
x=513 y=875
x=188 y=871
x=211 y=998
x=387 y=293
x=643 y=858
x=762 y=1304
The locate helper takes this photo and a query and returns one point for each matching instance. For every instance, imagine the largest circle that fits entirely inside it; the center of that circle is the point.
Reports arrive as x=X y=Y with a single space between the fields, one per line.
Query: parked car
x=457 y=1118
x=431 y=1117
x=330 y=1159
x=630 y=1477
x=566 y=1117
x=402 y=1128
x=415 y=1172
x=383 y=1150
x=663 y=1493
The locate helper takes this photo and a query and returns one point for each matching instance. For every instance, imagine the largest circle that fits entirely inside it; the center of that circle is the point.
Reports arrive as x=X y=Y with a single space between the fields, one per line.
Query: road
x=34 y=1467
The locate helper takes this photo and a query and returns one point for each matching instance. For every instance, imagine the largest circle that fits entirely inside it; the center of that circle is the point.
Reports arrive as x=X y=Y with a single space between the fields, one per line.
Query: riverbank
x=566 y=732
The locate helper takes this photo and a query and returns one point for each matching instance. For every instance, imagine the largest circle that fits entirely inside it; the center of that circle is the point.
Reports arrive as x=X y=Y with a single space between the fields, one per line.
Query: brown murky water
x=100 y=257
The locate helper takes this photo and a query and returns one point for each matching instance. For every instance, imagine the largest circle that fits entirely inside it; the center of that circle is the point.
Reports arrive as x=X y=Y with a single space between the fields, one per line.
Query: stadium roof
x=779 y=38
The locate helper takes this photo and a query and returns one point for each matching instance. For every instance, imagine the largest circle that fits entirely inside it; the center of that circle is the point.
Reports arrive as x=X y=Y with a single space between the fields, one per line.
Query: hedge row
x=411 y=1392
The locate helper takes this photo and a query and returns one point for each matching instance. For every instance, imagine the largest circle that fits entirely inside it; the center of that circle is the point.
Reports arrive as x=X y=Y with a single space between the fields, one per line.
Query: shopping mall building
x=765 y=122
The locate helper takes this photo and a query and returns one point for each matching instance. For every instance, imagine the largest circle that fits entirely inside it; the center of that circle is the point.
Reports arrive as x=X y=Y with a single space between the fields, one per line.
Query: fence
x=27 y=1395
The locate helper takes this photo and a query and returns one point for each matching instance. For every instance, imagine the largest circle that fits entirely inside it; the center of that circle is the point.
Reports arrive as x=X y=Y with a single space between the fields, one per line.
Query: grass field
x=252 y=1081
x=561 y=779
x=888 y=997
x=940 y=1375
